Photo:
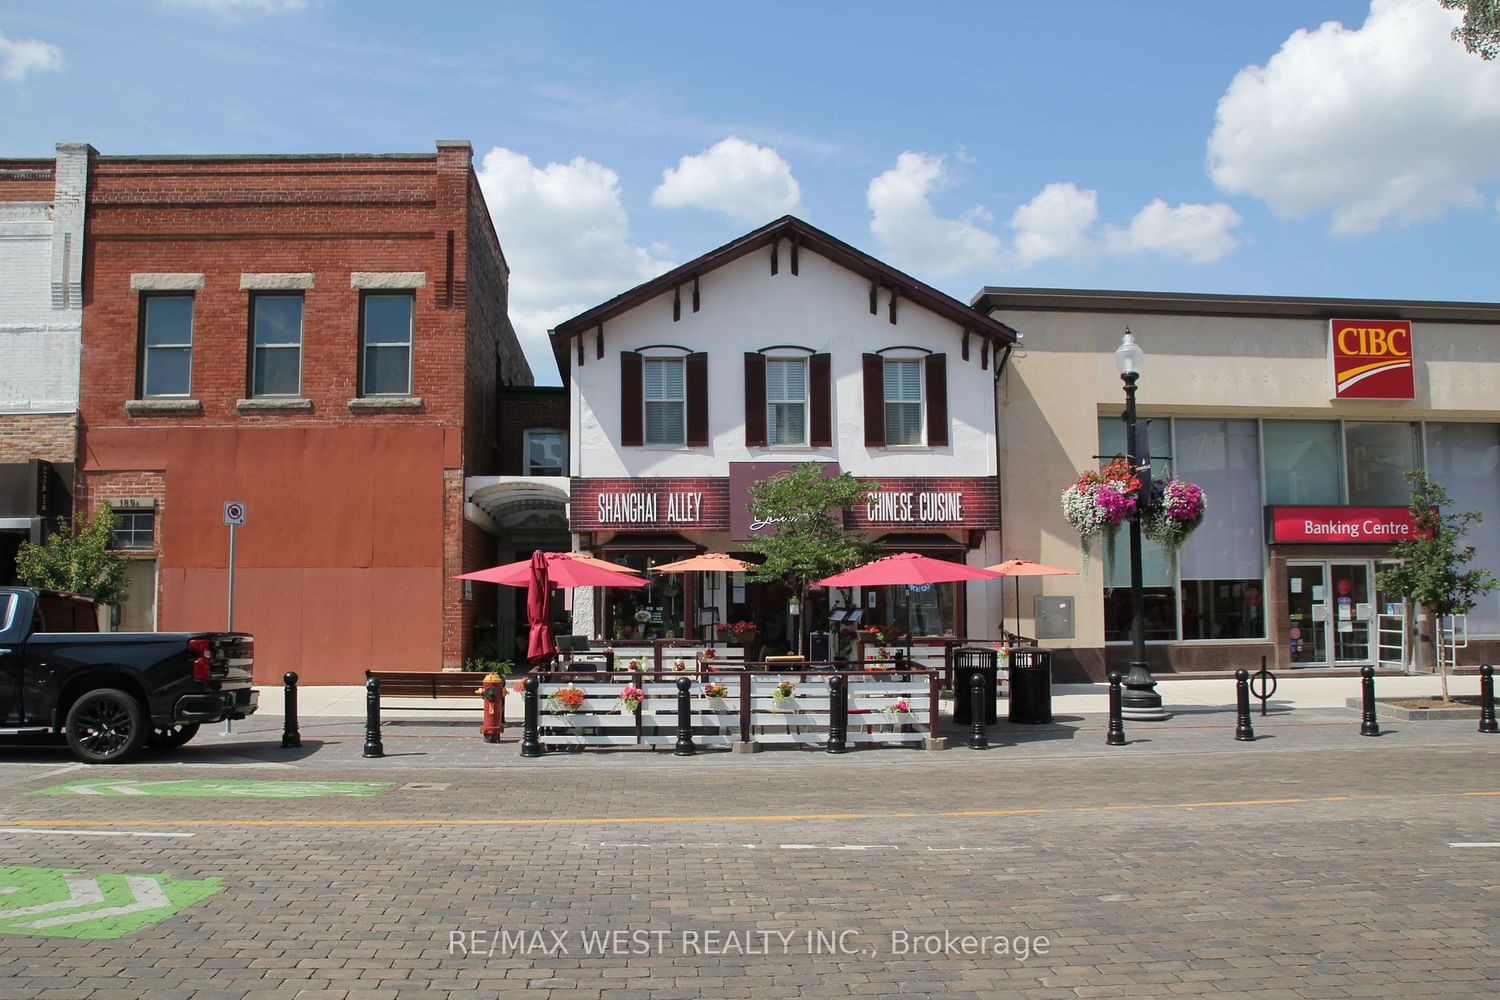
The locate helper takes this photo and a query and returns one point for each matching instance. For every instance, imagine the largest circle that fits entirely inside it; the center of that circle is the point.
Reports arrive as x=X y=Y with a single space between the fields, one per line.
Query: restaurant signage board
x=1371 y=359
x=1359 y=525
x=669 y=505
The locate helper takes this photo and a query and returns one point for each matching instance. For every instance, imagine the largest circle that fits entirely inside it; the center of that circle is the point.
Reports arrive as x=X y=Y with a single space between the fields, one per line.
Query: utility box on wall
x=1054 y=616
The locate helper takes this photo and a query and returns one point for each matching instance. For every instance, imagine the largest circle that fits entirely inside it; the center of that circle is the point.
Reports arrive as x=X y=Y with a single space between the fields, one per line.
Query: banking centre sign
x=704 y=504
x=1379 y=525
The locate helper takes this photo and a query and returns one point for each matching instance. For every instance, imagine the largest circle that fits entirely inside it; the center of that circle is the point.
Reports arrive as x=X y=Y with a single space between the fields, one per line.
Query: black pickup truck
x=112 y=693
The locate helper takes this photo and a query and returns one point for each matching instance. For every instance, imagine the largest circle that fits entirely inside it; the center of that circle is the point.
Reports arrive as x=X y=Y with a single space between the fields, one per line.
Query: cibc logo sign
x=1372 y=359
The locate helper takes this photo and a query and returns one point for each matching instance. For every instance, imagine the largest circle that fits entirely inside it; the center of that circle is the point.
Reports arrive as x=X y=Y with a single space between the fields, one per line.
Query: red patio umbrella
x=539 y=644
x=906 y=567
x=1025 y=567
x=563 y=570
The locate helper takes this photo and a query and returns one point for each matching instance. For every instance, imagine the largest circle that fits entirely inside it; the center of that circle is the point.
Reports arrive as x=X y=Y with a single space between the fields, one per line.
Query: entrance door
x=1307 y=613
x=1352 y=615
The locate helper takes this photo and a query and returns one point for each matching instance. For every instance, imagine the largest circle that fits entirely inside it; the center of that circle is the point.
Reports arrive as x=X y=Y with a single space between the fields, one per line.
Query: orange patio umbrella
x=1025 y=567
x=706 y=562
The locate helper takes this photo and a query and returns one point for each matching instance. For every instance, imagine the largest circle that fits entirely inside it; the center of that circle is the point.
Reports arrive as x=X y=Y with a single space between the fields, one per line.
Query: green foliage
x=808 y=510
x=1480 y=32
x=485 y=665
x=76 y=562
x=1433 y=570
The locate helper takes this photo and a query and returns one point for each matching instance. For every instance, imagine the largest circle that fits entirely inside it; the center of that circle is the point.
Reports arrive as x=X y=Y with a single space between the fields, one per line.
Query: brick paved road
x=1310 y=865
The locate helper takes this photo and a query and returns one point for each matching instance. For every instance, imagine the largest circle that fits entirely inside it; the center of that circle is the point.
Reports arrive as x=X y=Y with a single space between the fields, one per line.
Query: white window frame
x=921 y=401
x=536 y=432
x=147 y=347
x=256 y=347
x=364 y=346
x=771 y=404
x=646 y=401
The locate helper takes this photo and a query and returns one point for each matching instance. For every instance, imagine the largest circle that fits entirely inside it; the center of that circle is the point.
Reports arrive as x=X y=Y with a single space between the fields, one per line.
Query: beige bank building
x=1298 y=417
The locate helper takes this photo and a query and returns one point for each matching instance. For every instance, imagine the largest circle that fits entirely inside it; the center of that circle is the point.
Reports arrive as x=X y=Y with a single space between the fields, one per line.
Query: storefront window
x=1221 y=567
x=1302 y=462
x=1465 y=458
x=921 y=609
x=1379 y=456
x=655 y=611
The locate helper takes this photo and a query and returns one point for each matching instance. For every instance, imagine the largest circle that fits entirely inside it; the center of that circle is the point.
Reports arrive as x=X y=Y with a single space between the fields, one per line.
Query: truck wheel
x=172 y=737
x=106 y=726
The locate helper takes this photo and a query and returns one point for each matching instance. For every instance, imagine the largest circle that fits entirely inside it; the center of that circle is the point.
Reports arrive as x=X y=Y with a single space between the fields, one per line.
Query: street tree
x=807 y=508
x=76 y=559
x=1433 y=572
x=1480 y=30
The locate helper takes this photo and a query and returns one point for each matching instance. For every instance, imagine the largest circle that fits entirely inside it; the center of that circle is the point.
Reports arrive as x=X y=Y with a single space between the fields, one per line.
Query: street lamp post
x=1140 y=700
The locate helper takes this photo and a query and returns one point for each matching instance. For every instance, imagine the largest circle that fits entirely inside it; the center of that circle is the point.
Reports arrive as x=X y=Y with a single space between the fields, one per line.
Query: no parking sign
x=234 y=512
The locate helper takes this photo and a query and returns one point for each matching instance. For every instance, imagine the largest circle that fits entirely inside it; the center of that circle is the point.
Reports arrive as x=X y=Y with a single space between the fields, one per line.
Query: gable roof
x=788 y=227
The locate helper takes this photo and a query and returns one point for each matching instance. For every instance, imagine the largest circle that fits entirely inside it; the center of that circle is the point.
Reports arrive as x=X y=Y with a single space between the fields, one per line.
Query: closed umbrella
x=1025 y=567
x=539 y=644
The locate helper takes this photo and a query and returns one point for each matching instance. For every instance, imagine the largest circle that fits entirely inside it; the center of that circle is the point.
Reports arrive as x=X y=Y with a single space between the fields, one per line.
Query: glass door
x=1307 y=613
x=1352 y=613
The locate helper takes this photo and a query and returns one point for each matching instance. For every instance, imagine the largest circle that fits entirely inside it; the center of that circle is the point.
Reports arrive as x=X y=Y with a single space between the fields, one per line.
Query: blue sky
x=1281 y=147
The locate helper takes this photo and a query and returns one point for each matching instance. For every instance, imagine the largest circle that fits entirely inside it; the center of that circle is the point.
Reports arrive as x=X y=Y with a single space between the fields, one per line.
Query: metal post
x=685 y=747
x=373 y=746
x=230 y=626
x=1140 y=699
x=1487 y=723
x=291 y=736
x=1115 y=736
x=838 y=707
x=1242 y=729
x=978 y=739
x=531 y=744
x=744 y=679
x=1367 y=724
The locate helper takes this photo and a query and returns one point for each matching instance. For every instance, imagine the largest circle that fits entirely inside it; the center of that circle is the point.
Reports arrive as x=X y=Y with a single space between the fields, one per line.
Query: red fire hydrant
x=493 y=690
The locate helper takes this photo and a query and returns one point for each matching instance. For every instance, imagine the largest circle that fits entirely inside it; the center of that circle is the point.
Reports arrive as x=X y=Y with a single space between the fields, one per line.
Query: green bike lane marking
x=227 y=788
x=64 y=902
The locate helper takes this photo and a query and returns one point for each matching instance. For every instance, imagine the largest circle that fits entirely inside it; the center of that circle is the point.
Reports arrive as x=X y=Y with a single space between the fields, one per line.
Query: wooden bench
x=432 y=684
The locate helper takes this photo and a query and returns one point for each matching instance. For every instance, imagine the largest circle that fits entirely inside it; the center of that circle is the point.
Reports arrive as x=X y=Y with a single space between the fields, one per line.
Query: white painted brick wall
x=41 y=301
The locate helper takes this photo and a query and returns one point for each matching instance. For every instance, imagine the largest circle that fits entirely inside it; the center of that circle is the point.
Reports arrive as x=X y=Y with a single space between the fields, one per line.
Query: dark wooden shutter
x=632 y=402
x=755 y=400
x=937 y=400
x=874 y=401
x=697 y=400
x=820 y=399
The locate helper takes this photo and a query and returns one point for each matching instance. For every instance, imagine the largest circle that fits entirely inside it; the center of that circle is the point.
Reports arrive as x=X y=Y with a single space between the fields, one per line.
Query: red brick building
x=321 y=338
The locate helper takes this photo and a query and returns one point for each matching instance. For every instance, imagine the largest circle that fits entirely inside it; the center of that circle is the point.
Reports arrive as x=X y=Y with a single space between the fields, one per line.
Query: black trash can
x=967 y=661
x=1030 y=685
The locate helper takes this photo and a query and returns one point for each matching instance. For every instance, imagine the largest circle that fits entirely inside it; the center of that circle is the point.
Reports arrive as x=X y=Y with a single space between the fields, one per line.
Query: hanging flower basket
x=1176 y=508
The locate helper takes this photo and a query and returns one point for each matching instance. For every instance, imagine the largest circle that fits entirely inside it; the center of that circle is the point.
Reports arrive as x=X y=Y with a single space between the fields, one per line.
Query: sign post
x=234 y=515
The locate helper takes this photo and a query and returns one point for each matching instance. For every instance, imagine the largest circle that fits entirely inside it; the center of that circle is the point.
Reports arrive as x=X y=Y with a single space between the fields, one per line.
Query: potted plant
x=740 y=633
x=782 y=696
x=716 y=695
x=567 y=700
x=631 y=698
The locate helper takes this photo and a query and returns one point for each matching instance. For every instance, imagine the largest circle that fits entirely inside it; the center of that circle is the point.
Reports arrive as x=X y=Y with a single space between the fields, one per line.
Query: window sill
x=385 y=404
x=274 y=404
x=163 y=407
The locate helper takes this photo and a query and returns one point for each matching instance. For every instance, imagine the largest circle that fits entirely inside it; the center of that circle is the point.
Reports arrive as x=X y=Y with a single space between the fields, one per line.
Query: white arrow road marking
x=92 y=833
x=148 y=896
x=1482 y=843
x=117 y=788
x=81 y=892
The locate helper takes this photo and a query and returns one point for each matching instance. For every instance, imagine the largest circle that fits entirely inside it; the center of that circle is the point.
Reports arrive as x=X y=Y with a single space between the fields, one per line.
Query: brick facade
x=524 y=408
x=355 y=521
x=49 y=436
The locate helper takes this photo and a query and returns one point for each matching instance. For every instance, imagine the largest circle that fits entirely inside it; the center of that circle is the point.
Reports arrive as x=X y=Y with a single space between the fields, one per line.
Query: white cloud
x=565 y=234
x=916 y=236
x=1201 y=234
x=233 y=7
x=747 y=182
x=1390 y=121
x=19 y=56
x=1055 y=224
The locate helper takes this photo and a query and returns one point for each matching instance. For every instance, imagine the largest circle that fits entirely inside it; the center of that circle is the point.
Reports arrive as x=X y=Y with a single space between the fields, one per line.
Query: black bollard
x=291 y=736
x=1115 y=737
x=531 y=744
x=1242 y=728
x=685 y=747
x=978 y=712
x=373 y=746
x=838 y=715
x=1367 y=724
x=1487 y=723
